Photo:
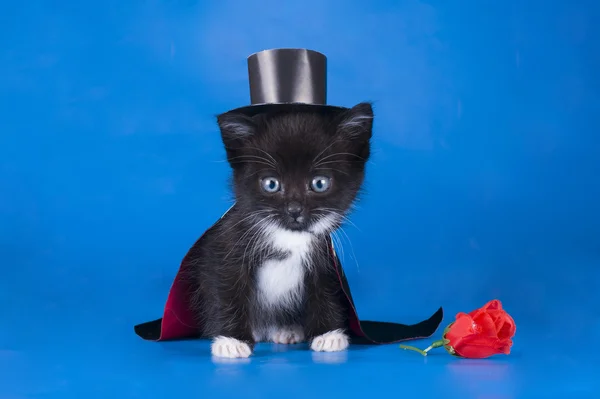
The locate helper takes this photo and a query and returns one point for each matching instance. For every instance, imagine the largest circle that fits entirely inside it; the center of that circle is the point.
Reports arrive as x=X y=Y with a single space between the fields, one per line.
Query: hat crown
x=280 y=76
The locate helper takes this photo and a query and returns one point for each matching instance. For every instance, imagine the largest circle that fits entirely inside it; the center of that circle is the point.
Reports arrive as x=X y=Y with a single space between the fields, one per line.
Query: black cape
x=177 y=321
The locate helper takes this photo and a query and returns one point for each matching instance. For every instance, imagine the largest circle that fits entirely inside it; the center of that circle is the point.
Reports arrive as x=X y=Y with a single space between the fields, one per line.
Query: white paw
x=258 y=336
x=288 y=335
x=332 y=341
x=229 y=347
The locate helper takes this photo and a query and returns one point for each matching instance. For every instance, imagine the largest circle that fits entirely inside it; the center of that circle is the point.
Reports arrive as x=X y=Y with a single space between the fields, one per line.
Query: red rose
x=482 y=333
x=503 y=322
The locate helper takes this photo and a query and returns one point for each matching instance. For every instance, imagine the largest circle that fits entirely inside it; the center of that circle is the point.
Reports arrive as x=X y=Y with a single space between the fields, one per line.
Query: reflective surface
x=484 y=184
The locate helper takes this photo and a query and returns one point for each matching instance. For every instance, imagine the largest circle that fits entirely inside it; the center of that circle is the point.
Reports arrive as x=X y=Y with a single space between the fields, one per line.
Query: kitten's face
x=299 y=171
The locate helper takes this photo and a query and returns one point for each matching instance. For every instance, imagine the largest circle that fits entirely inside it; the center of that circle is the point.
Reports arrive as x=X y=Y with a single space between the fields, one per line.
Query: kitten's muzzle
x=294 y=210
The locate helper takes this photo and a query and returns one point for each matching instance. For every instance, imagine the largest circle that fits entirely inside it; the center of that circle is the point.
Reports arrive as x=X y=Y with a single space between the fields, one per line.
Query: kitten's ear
x=356 y=124
x=355 y=127
x=236 y=129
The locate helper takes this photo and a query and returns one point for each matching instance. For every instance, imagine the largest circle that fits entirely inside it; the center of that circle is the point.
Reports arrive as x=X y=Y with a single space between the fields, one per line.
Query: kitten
x=263 y=271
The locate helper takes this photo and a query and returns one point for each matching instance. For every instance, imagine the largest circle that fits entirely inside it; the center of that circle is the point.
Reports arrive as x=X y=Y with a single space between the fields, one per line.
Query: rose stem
x=436 y=344
x=412 y=348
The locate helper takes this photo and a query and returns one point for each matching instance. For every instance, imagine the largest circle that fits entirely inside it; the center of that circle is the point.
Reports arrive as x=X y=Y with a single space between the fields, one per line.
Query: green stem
x=412 y=348
x=436 y=344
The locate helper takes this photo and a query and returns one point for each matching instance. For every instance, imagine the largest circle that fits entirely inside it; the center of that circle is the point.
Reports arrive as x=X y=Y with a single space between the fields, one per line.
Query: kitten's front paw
x=229 y=347
x=332 y=341
x=288 y=335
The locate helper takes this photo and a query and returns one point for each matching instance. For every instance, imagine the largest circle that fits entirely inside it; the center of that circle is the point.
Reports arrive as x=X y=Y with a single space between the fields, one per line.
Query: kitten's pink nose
x=294 y=209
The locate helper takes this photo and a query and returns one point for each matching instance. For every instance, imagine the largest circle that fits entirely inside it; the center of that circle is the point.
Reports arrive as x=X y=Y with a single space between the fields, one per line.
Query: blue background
x=484 y=184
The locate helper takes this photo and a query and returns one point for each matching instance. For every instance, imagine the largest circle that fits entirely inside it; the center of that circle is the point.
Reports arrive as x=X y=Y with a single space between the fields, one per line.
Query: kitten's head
x=299 y=171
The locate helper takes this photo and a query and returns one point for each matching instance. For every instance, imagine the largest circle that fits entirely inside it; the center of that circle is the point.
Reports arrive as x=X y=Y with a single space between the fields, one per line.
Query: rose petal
x=477 y=347
x=494 y=304
x=491 y=305
x=462 y=327
x=505 y=346
x=485 y=325
x=508 y=329
x=498 y=317
x=505 y=325
x=476 y=350
x=475 y=313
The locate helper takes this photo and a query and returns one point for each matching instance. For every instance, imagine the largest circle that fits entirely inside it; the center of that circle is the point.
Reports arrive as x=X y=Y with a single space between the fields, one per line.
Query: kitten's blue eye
x=320 y=184
x=270 y=184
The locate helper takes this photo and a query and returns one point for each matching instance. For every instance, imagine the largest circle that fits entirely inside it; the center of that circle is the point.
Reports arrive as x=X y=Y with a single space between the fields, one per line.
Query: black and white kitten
x=263 y=272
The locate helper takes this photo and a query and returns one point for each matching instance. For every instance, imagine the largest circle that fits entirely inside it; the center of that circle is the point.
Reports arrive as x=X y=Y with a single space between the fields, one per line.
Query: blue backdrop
x=484 y=184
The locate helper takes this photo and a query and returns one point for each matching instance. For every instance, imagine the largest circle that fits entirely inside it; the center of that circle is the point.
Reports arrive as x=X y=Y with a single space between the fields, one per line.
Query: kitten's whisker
x=337 y=170
x=339 y=245
x=255 y=239
x=257 y=162
x=271 y=160
x=257 y=157
x=251 y=215
x=340 y=215
x=246 y=156
x=258 y=171
x=342 y=153
x=264 y=152
x=262 y=244
x=244 y=235
x=251 y=239
x=336 y=240
x=325 y=149
x=338 y=154
x=347 y=220
x=339 y=161
x=341 y=229
x=240 y=239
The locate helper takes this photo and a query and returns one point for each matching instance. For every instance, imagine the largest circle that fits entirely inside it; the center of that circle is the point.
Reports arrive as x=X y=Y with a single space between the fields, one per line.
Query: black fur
x=294 y=147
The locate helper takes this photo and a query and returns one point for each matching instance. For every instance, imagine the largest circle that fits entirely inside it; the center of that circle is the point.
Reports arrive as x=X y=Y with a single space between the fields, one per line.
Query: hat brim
x=252 y=110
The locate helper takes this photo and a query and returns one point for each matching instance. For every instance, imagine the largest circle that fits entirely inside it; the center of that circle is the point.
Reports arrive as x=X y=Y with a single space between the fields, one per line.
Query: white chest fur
x=280 y=282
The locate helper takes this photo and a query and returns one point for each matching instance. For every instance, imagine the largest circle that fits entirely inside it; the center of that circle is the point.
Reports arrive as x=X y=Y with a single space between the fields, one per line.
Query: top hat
x=287 y=79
